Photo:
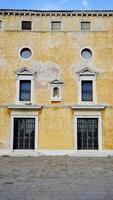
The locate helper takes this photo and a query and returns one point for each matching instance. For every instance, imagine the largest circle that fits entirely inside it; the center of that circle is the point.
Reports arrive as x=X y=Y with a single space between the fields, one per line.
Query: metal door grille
x=87 y=133
x=24 y=133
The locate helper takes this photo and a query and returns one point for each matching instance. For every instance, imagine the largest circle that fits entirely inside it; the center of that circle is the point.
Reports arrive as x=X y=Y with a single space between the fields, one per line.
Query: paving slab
x=56 y=178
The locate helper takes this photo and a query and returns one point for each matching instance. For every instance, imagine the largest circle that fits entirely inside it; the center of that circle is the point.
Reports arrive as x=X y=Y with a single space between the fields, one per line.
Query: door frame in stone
x=27 y=114
x=88 y=114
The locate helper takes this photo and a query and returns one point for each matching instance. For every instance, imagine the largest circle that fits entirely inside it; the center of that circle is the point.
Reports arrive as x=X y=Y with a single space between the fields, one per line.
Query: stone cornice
x=56 y=12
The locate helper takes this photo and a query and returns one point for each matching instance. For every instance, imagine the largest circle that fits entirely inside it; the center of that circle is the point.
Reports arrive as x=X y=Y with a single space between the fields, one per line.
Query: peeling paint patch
x=46 y=72
x=53 y=43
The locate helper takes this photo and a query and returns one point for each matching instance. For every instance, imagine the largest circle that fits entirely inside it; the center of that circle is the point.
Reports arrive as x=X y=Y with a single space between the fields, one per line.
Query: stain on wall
x=46 y=72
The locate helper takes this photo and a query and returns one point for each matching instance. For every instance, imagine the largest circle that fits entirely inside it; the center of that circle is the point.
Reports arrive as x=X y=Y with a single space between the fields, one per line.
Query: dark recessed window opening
x=87 y=90
x=26 y=25
x=86 y=53
x=56 y=26
x=85 y=26
x=56 y=92
x=25 y=53
x=25 y=90
x=0 y=24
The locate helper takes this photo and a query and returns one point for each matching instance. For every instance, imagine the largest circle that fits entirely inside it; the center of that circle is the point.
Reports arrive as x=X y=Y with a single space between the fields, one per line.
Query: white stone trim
x=16 y=114
x=86 y=21
x=88 y=114
x=71 y=153
x=26 y=20
x=59 y=86
x=25 y=59
x=89 y=107
x=24 y=77
x=86 y=47
x=87 y=78
x=55 y=20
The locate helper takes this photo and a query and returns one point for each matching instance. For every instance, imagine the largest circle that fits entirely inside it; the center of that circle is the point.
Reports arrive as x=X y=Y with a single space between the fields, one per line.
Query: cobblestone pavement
x=56 y=178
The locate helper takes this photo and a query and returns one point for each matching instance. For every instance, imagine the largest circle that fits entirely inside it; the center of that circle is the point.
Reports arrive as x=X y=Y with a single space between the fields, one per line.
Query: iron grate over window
x=26 y=25
x=24 y=133
x=87 y=133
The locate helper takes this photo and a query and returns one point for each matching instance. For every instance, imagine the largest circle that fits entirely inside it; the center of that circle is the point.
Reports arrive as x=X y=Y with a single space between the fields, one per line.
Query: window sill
x=89 y=106
x=55 y=100
x=31 y=107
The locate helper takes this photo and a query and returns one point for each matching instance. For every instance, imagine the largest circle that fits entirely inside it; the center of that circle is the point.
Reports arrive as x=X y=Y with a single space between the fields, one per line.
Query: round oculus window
x=86 y=54
x=25 y=53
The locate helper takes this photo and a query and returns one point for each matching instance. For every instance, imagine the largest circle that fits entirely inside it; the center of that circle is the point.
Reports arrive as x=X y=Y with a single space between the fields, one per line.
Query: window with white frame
x=55 y=25
x=25 y=86
x=25 y=53
x=26 y=25
x=56 y=90
x=85 y=26
x=86 y=54
x=87 y=86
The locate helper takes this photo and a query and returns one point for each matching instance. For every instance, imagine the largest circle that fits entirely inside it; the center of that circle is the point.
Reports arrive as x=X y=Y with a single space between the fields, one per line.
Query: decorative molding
x=24 y=71
x=25 y=74
x=56 y=81
x=87 y=71
x=67 y=13
x=56 y=84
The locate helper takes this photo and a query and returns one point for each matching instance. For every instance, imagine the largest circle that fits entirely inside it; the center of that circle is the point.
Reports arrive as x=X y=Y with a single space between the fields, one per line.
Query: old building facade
x=56 y=82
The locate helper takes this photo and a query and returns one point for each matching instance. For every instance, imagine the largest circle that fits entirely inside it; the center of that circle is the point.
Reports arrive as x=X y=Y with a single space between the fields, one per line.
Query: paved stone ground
x=56 y=178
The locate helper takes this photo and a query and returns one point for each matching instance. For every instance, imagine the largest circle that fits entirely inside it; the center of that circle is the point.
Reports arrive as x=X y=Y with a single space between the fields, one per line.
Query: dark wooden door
x=87 y=133
x=24 y=133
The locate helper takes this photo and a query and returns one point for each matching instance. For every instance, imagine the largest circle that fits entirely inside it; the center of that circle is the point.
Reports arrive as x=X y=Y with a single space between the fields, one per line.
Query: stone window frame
x=23 y=20
x=55 y=20
x=85 y=21
x=87 y=74
x=53 y=84
x=25 y=74
x=25 y=59
x=86 y=47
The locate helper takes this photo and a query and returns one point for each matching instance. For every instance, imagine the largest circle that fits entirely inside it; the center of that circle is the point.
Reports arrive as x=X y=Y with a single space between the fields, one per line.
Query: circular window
x=25 y=53
x=86 y=54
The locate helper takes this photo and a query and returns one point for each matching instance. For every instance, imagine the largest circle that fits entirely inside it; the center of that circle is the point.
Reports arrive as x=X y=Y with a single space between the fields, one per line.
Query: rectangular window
x=25 y=90
x=1 y=24
x=26 y=25
x=87 y=90
x=55 y=26
x=85 y=26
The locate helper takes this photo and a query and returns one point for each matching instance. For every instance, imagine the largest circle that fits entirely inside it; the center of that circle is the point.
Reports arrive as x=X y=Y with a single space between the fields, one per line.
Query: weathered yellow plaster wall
x=56 y=127
x=5 y=129
x=56 y=55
